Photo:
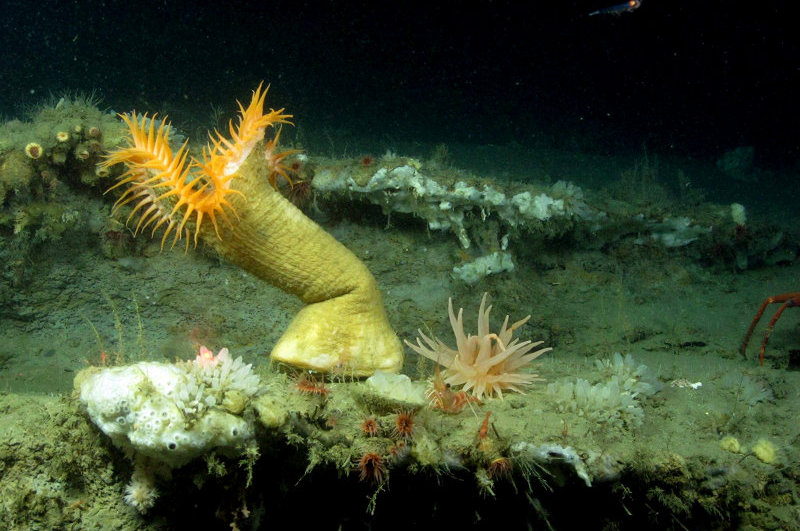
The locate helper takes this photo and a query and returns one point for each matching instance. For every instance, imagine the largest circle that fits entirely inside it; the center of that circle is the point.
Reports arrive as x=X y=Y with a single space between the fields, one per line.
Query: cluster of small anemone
x=481 y=367
x=372 y=465
x=83 y=143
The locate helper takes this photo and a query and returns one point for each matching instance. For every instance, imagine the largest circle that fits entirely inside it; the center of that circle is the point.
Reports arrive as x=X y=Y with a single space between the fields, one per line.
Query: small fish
x=618 y=9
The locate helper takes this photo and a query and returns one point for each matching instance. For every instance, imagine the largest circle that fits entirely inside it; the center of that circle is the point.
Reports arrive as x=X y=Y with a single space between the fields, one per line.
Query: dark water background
x=682 y=77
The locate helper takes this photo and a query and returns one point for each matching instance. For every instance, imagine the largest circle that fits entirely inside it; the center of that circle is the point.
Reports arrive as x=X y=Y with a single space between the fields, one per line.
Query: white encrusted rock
x=171 y=413
x=483 y=266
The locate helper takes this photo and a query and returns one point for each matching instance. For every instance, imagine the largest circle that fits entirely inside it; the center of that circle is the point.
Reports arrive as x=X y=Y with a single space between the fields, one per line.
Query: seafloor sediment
x=666 y=468
x=580 y=448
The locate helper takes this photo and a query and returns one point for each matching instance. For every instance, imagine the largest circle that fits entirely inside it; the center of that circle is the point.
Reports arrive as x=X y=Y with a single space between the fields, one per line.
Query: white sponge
x=170 y=412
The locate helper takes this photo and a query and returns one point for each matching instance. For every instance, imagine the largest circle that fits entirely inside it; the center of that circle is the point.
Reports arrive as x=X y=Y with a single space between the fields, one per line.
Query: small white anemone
x=141 y=492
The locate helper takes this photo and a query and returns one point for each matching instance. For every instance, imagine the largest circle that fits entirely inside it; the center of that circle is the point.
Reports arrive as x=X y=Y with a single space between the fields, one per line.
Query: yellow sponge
x=765 y=451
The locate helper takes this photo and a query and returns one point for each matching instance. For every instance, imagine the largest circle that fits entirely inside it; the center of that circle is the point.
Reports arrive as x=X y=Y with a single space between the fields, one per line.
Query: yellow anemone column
x=344 y=327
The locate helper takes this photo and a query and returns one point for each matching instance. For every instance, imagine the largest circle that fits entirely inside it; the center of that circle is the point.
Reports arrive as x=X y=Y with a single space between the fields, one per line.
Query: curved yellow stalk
x=344 y=327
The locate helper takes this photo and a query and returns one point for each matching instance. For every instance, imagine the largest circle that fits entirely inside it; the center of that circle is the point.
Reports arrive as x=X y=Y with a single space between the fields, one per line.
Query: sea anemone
x=487 y=363
x=275 y=161
x=170 y=189
x=33 y=150
x=403 y=424
x=500 y=468
x=370 y=427
x=223 y=198
x=371 y=468
x=309 y=385
x=141 y=492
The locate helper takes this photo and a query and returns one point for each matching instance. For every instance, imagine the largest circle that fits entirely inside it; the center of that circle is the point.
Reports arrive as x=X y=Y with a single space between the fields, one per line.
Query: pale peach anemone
x=486 y=363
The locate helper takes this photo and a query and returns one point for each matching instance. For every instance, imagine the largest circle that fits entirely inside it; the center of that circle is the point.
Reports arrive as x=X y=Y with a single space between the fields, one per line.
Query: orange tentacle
x=175 y=190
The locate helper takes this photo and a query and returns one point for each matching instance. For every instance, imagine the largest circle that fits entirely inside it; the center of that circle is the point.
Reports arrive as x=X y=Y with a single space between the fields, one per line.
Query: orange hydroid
x=170 y=190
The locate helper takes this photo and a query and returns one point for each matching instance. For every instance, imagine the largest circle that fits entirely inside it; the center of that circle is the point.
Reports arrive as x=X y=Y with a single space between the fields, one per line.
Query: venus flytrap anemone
x=227 y=201
x=487 y=363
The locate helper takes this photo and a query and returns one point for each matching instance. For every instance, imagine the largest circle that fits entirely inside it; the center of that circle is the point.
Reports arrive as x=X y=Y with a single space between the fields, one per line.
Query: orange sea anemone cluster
x=171 y=188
